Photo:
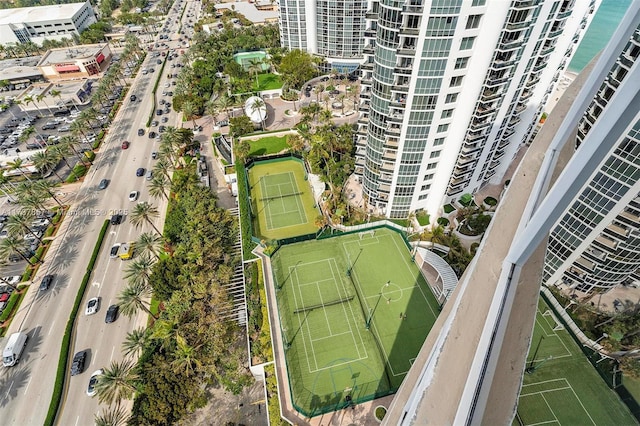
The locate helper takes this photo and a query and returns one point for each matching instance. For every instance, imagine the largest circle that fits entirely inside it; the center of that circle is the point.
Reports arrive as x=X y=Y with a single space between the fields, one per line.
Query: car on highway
x=46 y=282
x=165 y=119
x=125 y=144
x=161 y=129
x=158 y=112
x=91 y=389
x=140 y=132
x=133 y=195
x=116 y=219
x=154 y=155
x=112 y=314
x=103 y=184
x=154 y=123
x=149 y=175
x=140 y=171
x=77 y=365
x=92 y=306
x=114 y=251
x=152 y=135
x=133 y=98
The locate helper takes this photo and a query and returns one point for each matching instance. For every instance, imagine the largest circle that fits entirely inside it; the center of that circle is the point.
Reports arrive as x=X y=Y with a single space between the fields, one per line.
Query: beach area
x=563 y=83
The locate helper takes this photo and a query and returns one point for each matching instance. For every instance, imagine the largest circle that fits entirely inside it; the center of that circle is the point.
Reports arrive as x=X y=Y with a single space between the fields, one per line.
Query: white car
x=91 y=389
x=92 y=306
x=133 y=195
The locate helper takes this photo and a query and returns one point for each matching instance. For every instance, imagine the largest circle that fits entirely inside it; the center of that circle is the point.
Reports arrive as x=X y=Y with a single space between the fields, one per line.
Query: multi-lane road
x=26 y=389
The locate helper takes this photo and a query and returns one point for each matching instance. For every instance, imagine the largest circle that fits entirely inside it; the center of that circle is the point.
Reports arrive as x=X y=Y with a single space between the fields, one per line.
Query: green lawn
x=268 y=145
x=564 y=388
x=267 y=82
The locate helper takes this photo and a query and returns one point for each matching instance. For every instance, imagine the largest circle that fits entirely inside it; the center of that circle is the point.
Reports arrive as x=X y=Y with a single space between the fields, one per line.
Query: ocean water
x=604 y=23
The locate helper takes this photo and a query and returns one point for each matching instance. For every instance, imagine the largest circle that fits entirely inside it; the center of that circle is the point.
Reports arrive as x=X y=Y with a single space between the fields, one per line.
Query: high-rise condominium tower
x=596 y=244
x=330 y=28
x=451 y=89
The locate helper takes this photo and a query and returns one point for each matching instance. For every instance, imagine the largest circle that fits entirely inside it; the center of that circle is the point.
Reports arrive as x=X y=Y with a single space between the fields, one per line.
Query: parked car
x=114 y=251
x=77 y=365
x=133 y=195
x=149 y=175
x=152 y=135
x=125 y=144
x=140 y=171
x=140 y=132
x=103 y=184
x=133 y=98
x=154 y=155
x=92 y=306
x=116 y=219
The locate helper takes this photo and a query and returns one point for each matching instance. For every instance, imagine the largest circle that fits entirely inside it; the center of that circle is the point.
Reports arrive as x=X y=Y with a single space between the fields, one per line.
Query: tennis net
x=323 y=305
x=275 y=197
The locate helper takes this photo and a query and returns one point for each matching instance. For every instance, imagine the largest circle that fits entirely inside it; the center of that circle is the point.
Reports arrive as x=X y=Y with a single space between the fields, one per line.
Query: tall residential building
x=596 y=244
x=39 y=23
x=452 y=89
x=333 y=29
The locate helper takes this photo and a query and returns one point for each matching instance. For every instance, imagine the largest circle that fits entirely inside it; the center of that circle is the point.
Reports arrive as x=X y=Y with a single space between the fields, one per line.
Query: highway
x=26 y=389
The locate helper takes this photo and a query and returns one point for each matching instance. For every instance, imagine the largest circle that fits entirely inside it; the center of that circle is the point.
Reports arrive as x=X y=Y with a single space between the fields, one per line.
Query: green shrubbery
x=79 y=170
x=245 y=212
x=273 y=402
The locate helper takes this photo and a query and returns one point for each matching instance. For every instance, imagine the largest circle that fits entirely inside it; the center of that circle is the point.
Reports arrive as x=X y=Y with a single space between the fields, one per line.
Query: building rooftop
x=65 y=54
x=250 y=12
x=12 y=69
x=38 y=13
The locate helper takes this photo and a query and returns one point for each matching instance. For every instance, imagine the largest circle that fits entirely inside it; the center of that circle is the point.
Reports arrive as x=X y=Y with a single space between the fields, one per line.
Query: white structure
x=7 y=157
x=72 y=62
x=40 y=23
x=255 y=109
x=596 y=244
x=452 y=89
x=250 y=11
x=330 y=29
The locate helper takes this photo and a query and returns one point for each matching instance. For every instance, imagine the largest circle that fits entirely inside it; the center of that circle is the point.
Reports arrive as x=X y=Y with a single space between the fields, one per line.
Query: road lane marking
x=9 y=390
x=112 y=351
x=51 y=328
x=94 y=356
x=77 y=420
x=28 y=383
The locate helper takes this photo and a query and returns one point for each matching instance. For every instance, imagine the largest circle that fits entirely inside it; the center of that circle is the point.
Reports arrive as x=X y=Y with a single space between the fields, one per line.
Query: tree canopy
x=297 y=67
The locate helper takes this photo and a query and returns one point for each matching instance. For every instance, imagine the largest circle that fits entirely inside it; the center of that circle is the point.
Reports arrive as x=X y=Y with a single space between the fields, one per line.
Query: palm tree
x=133 y=298
x=18 y=164
x=14 y=245
x=116 y=382
x=18 y=224
x=189 y=110
x=40 y=98
x=139 y=271
x=186 y=357
x=255 y=67
x=162 y=166
x=112 y=416
x=257 y=105
x=31 y=100
x=144 y=212
x=45 y=161
x=151 y=243
x=55 y=94
x=295 y=142
x=318 y=90
x=224 y=102
x=135 y=342
x=45 y=188
x=159 y=186
x=60 y=152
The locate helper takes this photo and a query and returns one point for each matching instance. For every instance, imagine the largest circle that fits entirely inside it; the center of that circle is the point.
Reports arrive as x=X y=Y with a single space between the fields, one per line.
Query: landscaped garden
x=267 y=145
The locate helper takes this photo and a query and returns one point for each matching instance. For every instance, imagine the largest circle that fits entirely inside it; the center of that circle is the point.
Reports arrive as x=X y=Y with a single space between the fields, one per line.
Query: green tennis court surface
x=354 y=312
x=564 y=388
x=281 y=198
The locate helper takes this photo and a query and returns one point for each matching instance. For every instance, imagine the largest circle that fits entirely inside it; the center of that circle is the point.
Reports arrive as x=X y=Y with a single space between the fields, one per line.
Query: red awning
x=67 y=68
x=100 y=58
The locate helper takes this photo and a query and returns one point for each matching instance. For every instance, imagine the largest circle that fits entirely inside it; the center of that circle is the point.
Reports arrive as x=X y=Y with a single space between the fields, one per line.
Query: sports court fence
x=310 y=402
x=608 y=369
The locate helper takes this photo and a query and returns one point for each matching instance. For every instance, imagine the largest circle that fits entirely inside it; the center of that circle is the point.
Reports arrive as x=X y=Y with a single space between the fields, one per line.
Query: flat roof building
x=77 y=61
x=251 y=12
x=40 y=23
x=20 y=71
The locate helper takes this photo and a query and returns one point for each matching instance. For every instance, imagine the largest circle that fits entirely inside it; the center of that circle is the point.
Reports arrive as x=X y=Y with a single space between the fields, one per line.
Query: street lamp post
x=373 y=311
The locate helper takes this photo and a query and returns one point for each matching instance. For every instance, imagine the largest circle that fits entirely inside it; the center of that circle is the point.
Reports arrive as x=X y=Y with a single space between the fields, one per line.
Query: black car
x=103 y=184
x=161 y=129
x=112 y=314
x=49 y=126
x=140 y=132
x=46 y=282
x=158 y=112
x=116 y=219
x=140 y=171
x=133 y=98
x=77 y=366
x=152 y=135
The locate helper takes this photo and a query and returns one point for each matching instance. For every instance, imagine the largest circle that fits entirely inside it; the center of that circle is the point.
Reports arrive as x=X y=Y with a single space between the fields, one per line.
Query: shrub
x=448 y=208
x=273 y=404
x=490 y=201
x=26 y=276
x=443 y=221
x=79 y=170
x=423 y=218
x=245 y=212
x=380 y=412
x=11 y=304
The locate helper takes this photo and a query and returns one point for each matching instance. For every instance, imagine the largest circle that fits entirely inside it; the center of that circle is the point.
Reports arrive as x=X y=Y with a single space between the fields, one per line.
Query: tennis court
x=354 y=312
x=281 y=198
x=563 y=387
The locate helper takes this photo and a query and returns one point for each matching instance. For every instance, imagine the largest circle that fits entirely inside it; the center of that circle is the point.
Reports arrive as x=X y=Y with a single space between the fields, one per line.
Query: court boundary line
x=292 y=181
x=542 y=394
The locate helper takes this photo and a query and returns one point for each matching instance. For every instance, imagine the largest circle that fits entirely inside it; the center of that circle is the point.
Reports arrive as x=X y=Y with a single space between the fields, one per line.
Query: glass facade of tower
x=415 y=94
x=608 y=253
x=331 y=28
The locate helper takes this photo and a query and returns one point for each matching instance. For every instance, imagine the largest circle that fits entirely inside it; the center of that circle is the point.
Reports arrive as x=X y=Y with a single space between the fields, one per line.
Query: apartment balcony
x=400 y=70
x=359 y=162
x=490 y=173
x=514 y=120
x=507 y=45
x=524 y=4
x=482 y=111
x=365 y=95
x=490 y=94
x=584 y=264
x=359 y=171
x=606 y=242
x=393 y=130
x=520 y=107
x=546 y=49
x=398 y=103
x=512 y=26
x=477 y=124
x=465 y=160
x=555 y=33
x=532 y=82
x=390 y=155
x=384 y=188
x=612 y=82
x=526 y=94
x=409 y=31
x=635 y=220
x=387 y=167
x=564 y=13
x=363 y=121
x=617 y=230
x=625 y=61
x=369 y=33
x=539 y=66
x=367 y=66
x=385 y=177
x=507 y=134
x=369 y=14
x=407 y=51
x=395 y=118
x=500 y=63
x=457 y=182
x=368 y=50
x=462 y=172
x=413 y=9
x=470 y=148
x=383 y=196
x=496 y=81
x=475 y=135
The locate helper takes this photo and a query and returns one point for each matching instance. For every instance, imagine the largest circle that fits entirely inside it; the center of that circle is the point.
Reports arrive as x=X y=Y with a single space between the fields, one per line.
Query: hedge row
x=11 y=303
x=79 y=170
x=66 y=340
x=245 y=212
